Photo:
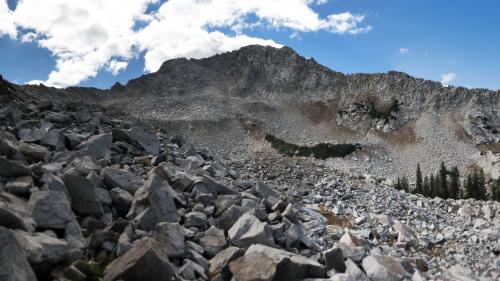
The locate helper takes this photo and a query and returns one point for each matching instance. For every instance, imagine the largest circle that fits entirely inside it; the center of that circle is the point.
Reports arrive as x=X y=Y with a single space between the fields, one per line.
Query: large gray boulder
x=121 y=200
x=195 y=219
x=12 y=211
x=147 y=260
x=263 y=190
x=208 y=185
x=171 y=236
x=190 y=270
x=218 y=265
x=213 y=241
x=50 y=209
x=54 y=138
x=139 y=138
x=34 y=152
x=10 y=219
x=42 y=248
x=122 y=179
x=254 y=266
x=21 y=186
x=229 y=217
x=354 y=272
x=98 y=146
x=30 y=135
x=153 y=203
x=334 y=258
x=265 y=263
x=83 y=195
x=10 y=168
x=248 y=230
x=383 y=268
x=57 y=117
x=14 y=265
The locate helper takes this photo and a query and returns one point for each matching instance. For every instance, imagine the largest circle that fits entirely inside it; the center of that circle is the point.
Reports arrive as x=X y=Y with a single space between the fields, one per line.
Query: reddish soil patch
x=404 y=136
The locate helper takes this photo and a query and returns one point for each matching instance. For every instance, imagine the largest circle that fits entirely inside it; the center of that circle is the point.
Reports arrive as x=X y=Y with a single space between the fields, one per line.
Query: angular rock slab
x=219 y=263
x=42 y=248
x=98 y=146
x=139 y=138
x=265 y=263
x=171 y=237
x=122 y=179
x=147 y=260
x=383 y=268
x=213 y=241
x=83 y=195
x=153 y=203
x=334 y=258
x=50 y=209
x=248 y=230
x=121 y=200
x=10 y=168
x=354 y=271
x=14 y=265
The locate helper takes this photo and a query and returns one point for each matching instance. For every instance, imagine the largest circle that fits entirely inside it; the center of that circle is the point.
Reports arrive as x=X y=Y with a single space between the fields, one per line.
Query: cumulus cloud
x=7 y=25
x=88 y=36
x=115 y=66
x=403 y=51
x=83 y=36
x=447 y=78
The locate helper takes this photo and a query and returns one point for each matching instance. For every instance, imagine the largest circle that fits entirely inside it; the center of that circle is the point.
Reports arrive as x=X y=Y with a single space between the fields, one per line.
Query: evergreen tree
x=398 y=184
x=426 y=188
x=442 y=182
x=432 y=185
x=469 y=188
x=495 y=190
x=479 y=181
x=405 y=185
x=454 y=183
x=418 y=183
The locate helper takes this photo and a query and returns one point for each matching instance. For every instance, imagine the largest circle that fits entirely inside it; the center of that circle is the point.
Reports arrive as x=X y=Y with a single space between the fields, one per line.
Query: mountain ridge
x=214 y=101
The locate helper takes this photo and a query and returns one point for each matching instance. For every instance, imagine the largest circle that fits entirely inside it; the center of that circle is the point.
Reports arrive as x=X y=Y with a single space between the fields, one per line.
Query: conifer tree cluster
x=446 y=184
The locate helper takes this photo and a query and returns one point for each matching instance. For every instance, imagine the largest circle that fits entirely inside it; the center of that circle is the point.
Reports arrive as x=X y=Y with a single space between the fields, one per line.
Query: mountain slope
x=230 y=101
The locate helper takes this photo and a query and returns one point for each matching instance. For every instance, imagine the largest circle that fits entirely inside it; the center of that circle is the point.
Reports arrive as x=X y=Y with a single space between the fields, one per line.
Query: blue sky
x=423 y=38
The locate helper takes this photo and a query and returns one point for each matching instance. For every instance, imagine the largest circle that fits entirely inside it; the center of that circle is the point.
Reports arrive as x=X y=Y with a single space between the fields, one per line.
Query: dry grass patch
x=333 y=219
x=406 y=135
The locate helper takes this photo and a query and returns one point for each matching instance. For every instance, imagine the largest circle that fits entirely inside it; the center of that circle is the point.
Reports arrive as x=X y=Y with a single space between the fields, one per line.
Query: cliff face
x=385 y=101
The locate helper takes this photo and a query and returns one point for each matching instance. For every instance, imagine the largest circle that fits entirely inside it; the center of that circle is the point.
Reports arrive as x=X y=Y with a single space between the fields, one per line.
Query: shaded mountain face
x=362 y=101
x=231 y=101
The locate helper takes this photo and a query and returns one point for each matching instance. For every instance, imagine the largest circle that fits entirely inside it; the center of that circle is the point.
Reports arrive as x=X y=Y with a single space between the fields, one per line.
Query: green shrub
x=320 y=151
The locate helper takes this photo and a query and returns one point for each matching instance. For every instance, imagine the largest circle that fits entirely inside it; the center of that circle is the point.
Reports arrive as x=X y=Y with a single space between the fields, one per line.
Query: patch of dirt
x=253 y=129
x=407 y=135
x=493 y=147
x=319 y=112
x=333 y=219
x=462 y=135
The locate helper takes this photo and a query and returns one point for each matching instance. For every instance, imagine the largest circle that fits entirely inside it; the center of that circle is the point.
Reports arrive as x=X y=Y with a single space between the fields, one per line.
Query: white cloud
x=295 y=36
x=7 y=26
x=321 y=2
x=181 y=27
x=87 y=36
x=403 y=51
x=447 y=78
x=35 y=82
x=83 y=36
x=28 y=37
x=115 y=66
